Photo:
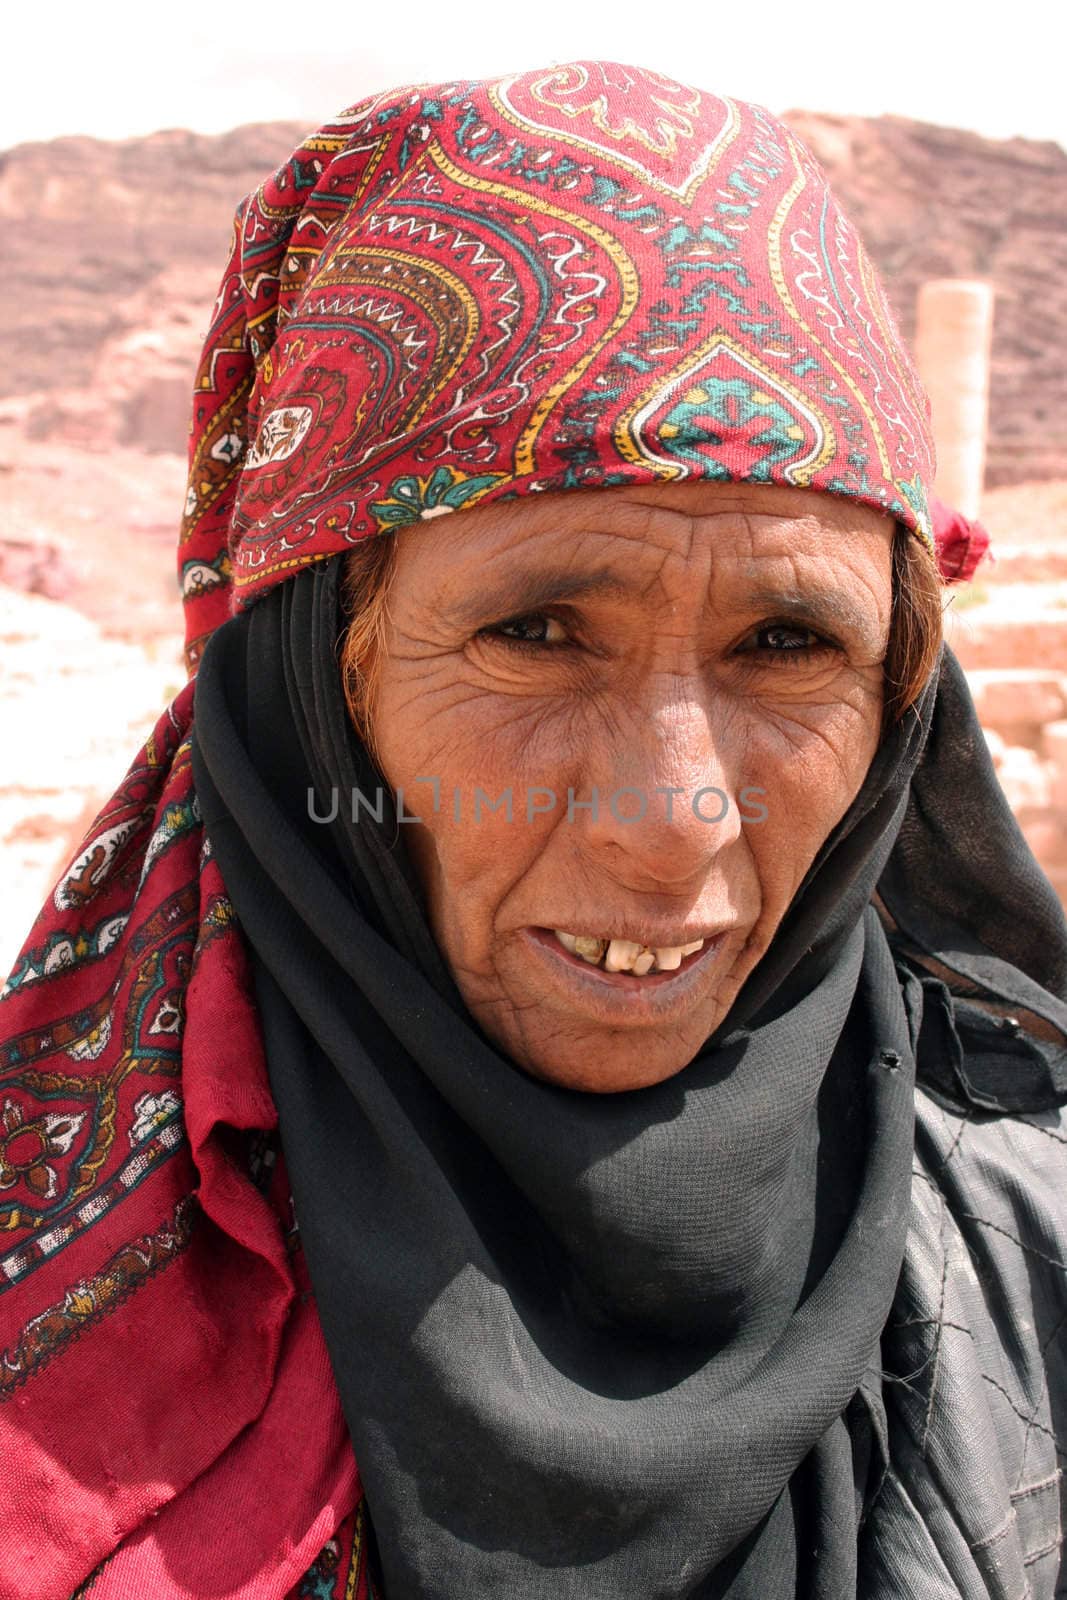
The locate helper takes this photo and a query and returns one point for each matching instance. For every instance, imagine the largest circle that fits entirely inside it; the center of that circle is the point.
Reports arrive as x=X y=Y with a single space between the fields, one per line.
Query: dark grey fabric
x=973 y=1504
x=626 y=1346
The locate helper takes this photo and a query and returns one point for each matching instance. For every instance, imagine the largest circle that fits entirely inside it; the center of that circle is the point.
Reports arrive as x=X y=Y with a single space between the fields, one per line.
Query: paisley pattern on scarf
x=146 y=1247
x=567 y=279
x=577 y=277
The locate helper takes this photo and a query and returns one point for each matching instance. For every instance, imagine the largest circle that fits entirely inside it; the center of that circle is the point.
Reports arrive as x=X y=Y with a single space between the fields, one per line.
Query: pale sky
x=122 y=67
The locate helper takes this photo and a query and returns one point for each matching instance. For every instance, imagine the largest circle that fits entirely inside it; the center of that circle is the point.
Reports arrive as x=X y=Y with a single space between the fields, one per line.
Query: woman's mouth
x=622 y=982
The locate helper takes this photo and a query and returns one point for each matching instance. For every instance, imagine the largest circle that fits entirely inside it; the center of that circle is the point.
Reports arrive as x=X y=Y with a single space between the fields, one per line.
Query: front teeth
x=623 y=955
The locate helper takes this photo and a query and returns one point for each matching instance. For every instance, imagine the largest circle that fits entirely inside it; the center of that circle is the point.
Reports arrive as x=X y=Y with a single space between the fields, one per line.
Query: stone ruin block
x=1017 y=703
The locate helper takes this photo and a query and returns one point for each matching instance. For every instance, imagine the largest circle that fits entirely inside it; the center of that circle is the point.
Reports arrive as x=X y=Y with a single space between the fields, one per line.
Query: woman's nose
x=662 y=787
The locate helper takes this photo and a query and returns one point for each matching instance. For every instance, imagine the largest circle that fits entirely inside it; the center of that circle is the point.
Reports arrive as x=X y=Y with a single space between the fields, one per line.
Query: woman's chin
x=585 y=1029
x=591 y=1059
x=610 y=1072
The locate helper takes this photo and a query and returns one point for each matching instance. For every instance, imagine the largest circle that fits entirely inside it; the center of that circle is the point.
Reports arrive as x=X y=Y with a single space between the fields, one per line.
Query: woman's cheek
x=482 y=778
x=809 y=772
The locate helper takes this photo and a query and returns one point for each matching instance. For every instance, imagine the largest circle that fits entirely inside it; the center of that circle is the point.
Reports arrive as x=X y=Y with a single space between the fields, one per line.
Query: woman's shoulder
x=975 y=1351
x=993 y=1187
x=1002 y=1176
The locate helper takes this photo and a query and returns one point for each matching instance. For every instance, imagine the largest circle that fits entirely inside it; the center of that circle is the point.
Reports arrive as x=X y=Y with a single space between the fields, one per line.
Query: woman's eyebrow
x=823 y=607
x=531 y=591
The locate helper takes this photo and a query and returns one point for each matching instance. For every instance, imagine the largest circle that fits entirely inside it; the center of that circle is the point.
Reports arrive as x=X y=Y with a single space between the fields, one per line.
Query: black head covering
x=615 y=1346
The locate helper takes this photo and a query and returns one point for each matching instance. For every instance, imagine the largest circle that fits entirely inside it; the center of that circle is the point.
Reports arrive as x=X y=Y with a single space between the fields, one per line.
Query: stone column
x=952 y=345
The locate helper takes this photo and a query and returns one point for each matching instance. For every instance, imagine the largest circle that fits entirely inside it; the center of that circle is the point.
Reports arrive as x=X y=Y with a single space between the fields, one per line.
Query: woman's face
x=705 y=661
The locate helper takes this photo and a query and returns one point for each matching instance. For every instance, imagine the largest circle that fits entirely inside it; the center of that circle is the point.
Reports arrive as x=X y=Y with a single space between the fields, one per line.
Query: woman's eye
x=779 y=637
x=786 y=639
x=534 y=629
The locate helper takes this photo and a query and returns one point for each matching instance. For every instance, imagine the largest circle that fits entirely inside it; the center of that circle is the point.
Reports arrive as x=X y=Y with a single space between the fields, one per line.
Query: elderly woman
x=595 y=910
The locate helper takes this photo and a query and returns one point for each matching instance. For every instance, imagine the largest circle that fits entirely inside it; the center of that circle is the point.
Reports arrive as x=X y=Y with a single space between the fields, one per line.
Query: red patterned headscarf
x=573 y=278
x=568 y=279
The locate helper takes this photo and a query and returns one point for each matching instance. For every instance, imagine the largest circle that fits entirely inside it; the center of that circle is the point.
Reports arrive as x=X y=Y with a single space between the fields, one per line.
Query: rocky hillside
x=113 y=252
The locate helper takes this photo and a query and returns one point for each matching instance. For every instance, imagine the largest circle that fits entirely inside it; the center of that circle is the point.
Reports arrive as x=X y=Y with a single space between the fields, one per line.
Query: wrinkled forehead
x=664 y=556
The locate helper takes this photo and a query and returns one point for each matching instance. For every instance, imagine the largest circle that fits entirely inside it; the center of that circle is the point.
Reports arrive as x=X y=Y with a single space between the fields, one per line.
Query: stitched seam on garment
x=932 y=1322
x=1031 y=1422
x=1039 y=1426
x=953 y=1509
x=954 y=1146
x=1001 y=1533
x=1030 y=1250
x=1038 y=1488
x=1039 y=1555
x=939 y=1334
x=1048 y=1132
